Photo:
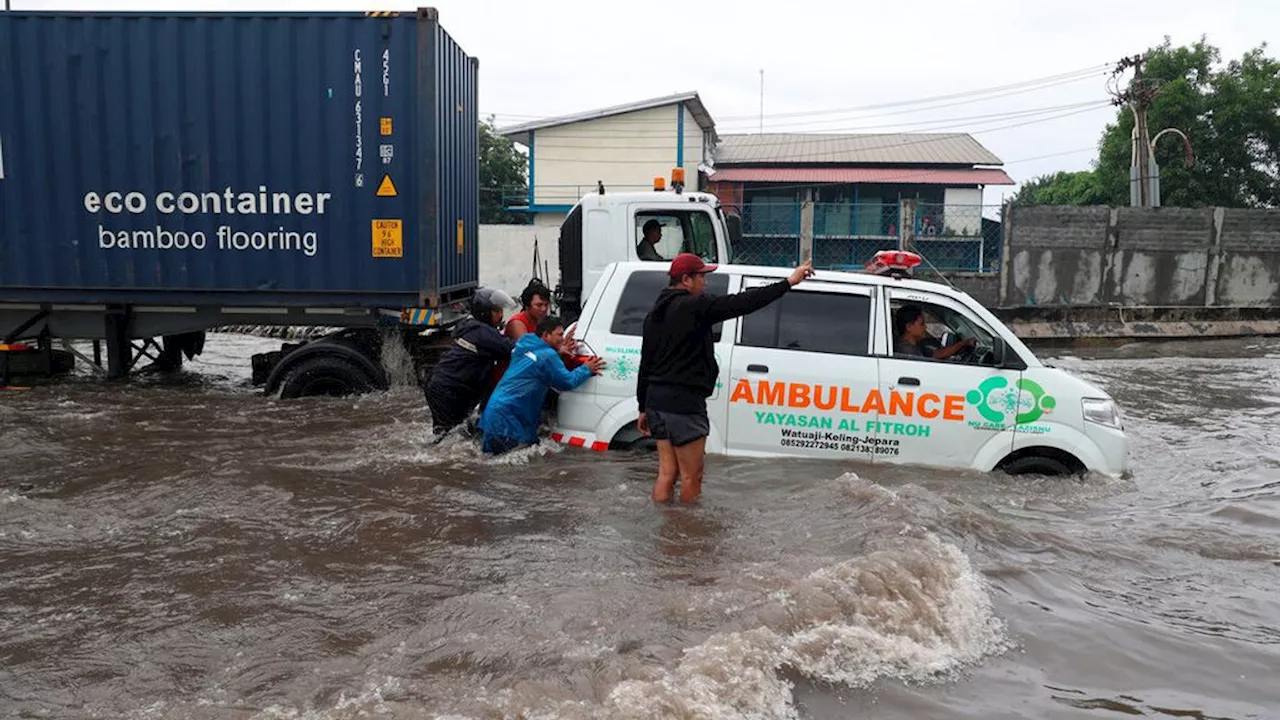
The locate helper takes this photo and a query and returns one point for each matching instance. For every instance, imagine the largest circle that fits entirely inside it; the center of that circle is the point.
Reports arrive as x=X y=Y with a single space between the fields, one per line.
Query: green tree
x=502 y=175
x=1061 y=188
x=1231 y=114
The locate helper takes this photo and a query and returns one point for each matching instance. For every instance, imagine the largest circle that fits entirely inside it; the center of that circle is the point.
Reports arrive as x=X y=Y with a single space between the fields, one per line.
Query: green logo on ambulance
x=996 y=400
x=623 y=368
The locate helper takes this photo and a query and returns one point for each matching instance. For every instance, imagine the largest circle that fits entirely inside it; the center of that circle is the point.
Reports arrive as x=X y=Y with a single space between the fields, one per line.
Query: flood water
x=185 y=548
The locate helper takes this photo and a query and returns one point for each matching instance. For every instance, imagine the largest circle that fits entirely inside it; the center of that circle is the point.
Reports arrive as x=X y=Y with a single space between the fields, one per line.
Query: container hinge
x=1 y=158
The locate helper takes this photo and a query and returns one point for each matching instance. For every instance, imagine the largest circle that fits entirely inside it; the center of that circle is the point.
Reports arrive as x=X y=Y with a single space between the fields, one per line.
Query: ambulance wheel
x=630 y=439
x=1038 y=465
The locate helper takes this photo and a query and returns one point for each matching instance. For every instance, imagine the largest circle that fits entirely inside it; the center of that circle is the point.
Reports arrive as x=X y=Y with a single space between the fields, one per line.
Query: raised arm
x=719 y=309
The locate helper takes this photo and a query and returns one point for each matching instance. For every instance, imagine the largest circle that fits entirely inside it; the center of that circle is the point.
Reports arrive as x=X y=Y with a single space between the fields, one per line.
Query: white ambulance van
x=815 y=374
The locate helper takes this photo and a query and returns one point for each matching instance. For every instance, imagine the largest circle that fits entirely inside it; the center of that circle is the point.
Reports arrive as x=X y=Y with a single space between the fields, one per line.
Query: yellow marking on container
x=461 y=238
x=386 y=188
x=384 y=127
x=388 y=238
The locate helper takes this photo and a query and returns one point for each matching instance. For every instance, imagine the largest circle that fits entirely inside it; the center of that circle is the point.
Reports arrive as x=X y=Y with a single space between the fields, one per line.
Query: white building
x=624 y=147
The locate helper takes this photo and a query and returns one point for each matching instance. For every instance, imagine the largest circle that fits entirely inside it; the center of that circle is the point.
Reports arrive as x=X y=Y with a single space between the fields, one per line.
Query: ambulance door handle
x=915 y=382
x=758 y=368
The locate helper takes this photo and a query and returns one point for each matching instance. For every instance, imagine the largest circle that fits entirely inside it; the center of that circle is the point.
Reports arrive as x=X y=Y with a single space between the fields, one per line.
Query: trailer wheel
x=325 y=375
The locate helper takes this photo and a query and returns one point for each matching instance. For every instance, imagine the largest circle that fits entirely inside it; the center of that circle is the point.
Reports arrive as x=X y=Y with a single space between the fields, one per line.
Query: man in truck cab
x=510 y=418
x=678 y=367
x=647 y=249
x=463 y=378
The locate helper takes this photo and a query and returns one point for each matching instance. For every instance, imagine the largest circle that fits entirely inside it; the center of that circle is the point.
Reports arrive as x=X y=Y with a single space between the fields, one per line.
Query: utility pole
x=1139 y=104
x=1138 y=97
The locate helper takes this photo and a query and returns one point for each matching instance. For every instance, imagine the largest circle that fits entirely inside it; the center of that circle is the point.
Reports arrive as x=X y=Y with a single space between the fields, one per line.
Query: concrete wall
x=624 y=151
x=506 y=256
x=1141 y=257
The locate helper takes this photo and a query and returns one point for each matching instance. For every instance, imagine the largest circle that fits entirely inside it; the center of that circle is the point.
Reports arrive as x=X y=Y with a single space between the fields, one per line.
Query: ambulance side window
x=639 y=294
x=835 y=323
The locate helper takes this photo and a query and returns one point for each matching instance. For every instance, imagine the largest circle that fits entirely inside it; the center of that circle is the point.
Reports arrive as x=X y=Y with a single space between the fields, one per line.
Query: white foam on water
x=916 y=613
x=375 y=700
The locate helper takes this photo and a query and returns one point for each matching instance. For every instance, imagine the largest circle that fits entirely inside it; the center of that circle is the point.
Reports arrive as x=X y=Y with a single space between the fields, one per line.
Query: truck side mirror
x=734 y=223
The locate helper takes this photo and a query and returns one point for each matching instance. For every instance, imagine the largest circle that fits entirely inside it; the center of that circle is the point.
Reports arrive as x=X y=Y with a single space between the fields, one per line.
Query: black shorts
x=679 y=428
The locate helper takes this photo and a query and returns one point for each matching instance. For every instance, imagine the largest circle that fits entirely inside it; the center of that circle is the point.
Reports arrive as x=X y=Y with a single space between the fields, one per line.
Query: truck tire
x=325 y=375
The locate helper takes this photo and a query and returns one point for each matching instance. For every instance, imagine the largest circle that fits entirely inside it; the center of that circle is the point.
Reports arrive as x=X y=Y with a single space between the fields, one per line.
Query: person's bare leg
x=667 y=468
x=690 y=458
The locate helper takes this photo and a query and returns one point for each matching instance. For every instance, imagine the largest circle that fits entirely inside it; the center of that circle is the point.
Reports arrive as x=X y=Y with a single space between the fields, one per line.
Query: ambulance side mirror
x=1003 y=358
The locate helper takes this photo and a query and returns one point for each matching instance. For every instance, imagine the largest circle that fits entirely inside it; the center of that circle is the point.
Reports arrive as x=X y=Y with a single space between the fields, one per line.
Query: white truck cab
x=815 y=374
x=607 y=227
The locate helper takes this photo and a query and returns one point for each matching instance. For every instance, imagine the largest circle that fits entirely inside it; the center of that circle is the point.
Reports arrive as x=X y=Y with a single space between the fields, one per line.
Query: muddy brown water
x=185 y=548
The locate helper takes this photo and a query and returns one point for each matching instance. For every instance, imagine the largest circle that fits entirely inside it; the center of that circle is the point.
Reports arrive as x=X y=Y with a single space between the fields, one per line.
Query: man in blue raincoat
x=510 y=419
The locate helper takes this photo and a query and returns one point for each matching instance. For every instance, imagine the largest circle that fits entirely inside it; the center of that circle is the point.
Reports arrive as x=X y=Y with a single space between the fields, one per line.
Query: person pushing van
x=678 y=368
x=510 y=418
x=462 y=379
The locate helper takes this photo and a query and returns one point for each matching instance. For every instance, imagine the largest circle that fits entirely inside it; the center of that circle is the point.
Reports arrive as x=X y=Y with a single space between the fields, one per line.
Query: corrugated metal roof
x=885 y=149
x=520 y=133
x=905 y=176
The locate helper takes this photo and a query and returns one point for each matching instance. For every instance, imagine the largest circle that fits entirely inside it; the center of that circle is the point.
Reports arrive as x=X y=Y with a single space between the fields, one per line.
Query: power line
x=825 y=153
x=1089 y=71
x=1029 y=85
x=668 y=140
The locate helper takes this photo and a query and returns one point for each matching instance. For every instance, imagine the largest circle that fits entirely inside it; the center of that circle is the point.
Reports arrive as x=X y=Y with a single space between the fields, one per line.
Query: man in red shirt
x=535 y=303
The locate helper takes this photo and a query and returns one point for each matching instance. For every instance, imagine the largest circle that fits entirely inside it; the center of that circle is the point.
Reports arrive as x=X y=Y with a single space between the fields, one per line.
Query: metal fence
x=962 y=238
x=846 y=235
x=770 y=234
x=954 y=238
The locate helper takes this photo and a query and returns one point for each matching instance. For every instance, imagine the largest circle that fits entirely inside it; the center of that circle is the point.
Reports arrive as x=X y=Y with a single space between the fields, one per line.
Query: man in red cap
x=678 y=369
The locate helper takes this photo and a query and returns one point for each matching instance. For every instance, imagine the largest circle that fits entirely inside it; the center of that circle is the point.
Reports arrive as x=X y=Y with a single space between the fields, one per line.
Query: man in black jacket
x=678 y=367
x=462 y=378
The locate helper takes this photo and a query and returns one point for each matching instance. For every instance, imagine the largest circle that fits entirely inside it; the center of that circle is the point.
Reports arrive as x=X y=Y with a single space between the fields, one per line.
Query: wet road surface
x=185 y=548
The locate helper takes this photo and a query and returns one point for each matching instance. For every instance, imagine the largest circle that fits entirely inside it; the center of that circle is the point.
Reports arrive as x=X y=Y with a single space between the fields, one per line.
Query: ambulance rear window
x=642 y=290
x=812 y=322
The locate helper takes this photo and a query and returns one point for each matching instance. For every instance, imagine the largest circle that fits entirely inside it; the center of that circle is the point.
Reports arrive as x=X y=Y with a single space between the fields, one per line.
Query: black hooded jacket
x=465 y=367
x=678 y=368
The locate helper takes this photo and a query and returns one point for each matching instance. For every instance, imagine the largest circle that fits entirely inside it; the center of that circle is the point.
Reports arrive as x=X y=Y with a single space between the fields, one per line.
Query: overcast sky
x=542 y=58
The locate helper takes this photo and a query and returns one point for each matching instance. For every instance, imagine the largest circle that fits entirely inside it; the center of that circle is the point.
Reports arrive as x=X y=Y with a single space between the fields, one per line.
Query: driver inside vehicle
x=913 y=338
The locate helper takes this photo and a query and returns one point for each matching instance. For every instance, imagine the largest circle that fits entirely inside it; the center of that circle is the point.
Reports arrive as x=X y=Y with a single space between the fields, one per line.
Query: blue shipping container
x=236 y=159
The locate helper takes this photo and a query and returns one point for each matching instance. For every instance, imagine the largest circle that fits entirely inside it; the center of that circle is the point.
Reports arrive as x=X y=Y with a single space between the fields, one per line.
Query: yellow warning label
x=386 y=188
x=384 y=126
x=461 y=243
x=388 y=238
